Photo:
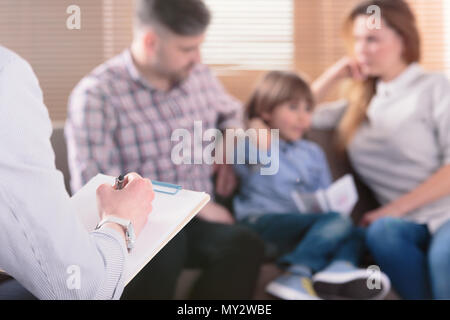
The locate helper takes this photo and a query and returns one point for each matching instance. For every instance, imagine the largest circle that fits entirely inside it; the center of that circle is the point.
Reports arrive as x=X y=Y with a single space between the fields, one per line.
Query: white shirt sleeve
x=43 y=244
x=441 y=116
x=328 y=115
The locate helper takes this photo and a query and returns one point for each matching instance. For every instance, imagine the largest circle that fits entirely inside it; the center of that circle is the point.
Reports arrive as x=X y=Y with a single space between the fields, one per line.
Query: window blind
x=246 y=39
x=434 y=26
x=36 y=30
x=250 y=35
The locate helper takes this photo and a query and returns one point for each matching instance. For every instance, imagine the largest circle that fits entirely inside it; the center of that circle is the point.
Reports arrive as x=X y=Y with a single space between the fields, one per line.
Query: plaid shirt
x=118 y=123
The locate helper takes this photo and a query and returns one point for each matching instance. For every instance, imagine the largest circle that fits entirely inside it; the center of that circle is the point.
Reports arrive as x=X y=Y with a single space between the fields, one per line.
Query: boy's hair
x=277 y=87
x=182 y=17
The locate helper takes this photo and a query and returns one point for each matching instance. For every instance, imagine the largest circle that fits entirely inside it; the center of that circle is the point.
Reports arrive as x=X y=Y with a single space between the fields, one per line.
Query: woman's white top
x=405 y=140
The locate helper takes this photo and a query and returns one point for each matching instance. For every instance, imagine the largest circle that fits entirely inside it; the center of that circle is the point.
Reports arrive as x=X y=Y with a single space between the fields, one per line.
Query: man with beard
x=121 y=118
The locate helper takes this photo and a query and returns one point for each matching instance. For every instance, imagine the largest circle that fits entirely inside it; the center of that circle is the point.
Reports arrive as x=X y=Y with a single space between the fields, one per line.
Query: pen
x=165 y=187
x=120 y=180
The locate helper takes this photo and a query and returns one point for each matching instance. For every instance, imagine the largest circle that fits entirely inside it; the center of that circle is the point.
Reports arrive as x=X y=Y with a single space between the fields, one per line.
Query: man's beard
x=182 y=75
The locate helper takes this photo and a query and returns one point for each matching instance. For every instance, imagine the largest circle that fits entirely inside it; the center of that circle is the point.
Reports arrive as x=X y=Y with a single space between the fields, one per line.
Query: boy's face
x=292 y=119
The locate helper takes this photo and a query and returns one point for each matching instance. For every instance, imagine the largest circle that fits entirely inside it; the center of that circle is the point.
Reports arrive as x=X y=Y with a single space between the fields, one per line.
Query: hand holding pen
x=133 y=202
x=120 y=182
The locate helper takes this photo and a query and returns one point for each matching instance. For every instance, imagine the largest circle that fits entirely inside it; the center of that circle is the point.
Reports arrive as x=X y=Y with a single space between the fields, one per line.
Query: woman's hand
x=346 y=67
x=386 y=211
x=433 y=189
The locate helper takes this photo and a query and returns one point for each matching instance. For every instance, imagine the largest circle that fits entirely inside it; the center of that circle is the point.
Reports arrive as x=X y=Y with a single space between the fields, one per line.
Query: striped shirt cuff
x=113 y=249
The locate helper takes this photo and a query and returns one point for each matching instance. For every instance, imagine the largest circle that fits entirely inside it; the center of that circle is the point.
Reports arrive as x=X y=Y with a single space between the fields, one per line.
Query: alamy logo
x=237 y=150
x=73 y=282
x=73 y=22
x=374 y=277
x=374 y=20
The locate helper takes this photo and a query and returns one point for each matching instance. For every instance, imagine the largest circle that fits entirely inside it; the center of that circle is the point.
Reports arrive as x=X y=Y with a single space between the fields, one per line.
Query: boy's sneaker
x=292 y=287
x=342 y=280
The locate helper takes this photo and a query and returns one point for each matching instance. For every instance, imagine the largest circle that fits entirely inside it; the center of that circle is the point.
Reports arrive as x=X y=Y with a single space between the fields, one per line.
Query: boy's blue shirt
x=302 y=167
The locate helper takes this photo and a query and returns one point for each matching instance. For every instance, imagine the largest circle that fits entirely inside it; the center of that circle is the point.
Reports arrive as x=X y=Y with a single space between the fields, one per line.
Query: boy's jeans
x=312 y=240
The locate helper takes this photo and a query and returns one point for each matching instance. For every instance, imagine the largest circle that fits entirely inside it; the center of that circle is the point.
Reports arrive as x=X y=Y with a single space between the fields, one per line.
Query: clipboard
x=166 y=188
x=173 y=208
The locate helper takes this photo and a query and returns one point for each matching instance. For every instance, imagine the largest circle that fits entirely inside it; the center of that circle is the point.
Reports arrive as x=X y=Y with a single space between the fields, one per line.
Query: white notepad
x=341 y=197
x=169 y=215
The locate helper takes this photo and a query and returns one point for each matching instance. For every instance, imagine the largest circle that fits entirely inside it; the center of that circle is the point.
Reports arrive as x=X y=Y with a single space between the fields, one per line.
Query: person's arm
x=328 y=114
x=263 y=138
x=229 y=109
x=325 y=179
x=227 y=180
x=344 y=68
x=43 y=244
x=89 y=132
x=438 y=185
x=229 y=116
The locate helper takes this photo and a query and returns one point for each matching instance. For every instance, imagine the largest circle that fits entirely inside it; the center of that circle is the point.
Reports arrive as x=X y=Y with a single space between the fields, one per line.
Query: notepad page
x=342 y=195
x=169 y=215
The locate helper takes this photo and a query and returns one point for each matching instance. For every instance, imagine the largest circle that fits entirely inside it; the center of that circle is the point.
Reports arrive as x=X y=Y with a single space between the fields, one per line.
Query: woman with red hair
x=395 y=126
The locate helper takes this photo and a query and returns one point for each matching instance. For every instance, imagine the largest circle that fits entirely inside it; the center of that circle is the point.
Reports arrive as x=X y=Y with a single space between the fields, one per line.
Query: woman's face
x=378 y=51
x=292 y=119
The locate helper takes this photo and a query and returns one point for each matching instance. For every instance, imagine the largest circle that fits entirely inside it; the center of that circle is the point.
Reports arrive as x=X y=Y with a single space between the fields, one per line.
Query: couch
x=339 y=166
